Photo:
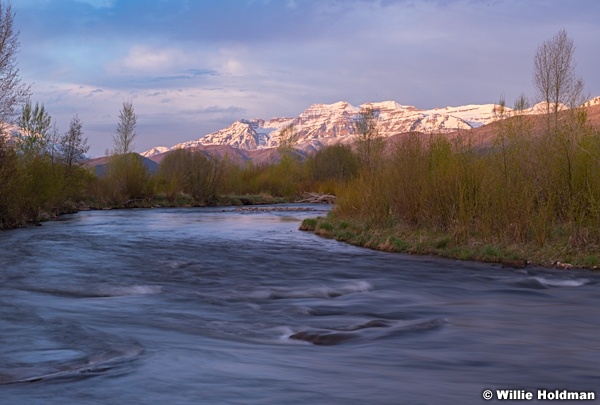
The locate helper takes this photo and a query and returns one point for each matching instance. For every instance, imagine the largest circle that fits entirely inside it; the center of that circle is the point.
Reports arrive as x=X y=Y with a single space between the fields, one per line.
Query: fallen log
x=315 y=198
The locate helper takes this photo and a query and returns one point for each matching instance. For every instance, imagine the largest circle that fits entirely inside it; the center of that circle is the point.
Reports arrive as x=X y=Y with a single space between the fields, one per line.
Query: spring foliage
x=526 y=187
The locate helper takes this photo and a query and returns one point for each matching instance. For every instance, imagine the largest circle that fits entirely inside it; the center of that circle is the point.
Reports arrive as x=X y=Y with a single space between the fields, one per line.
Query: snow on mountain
x=326 y=124
x=155 y=151
x=474 y=115
x=542 y=107
x=592 y=102
x=243 y=134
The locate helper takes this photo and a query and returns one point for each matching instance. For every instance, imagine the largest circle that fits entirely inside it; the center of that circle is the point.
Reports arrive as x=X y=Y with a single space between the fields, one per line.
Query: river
x=218 y=306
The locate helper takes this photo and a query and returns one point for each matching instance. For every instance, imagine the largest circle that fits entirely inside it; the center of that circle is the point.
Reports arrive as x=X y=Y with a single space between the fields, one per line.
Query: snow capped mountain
x=326 y=124
x=592 y=102
x=243 y=134
x=474 y=115
x=155 y=151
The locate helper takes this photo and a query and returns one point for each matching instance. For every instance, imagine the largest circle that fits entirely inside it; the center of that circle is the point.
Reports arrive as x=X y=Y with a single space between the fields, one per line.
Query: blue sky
x=191 y=67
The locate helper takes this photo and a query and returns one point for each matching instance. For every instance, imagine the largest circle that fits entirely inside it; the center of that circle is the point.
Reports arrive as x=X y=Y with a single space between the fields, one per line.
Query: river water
x=218 y=306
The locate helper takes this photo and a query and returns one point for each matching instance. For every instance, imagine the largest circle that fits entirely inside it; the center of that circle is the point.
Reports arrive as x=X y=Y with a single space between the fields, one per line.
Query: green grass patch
x=429 y=242
x=309 y=224
x=325 y=226
x=591 y=261
x=398 y=244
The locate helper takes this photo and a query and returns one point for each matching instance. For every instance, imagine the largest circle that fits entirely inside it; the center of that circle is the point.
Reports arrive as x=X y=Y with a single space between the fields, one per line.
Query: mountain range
x=325 y=124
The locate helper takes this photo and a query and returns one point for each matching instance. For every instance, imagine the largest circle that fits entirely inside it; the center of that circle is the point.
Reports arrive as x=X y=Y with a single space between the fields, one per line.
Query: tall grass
x=526 y=187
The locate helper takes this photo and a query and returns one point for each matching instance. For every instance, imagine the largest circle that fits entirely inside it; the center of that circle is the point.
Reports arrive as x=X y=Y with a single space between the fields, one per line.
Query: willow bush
x=35 y=186
x=527 y=187
x=192 y=173
x=127 y=178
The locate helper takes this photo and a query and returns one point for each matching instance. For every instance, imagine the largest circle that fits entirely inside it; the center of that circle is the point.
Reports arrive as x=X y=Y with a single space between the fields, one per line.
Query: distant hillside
x=100 y=165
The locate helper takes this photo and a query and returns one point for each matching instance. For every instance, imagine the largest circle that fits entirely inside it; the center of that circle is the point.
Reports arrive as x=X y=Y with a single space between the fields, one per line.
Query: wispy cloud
x=189 y=74
x=213 y=109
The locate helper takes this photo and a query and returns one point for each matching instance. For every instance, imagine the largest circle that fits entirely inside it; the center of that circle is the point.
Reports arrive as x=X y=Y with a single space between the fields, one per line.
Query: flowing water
x=218 y=306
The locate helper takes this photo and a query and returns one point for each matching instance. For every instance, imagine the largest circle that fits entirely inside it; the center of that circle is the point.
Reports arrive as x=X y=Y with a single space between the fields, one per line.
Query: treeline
x=526 y=187
x=40 y=169
x=38 y=185
x=188 y=177
x=44 y=173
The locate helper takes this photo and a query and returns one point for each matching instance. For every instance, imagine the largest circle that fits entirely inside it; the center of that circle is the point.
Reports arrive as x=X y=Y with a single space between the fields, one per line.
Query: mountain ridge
x=323 y=124
x=320 y=125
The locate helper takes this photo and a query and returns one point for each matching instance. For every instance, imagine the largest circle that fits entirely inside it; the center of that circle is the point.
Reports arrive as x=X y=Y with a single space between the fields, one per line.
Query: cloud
x=193 y=66
x=145 y=59
x=189 y=74
x=93 y=92
x=237 y=111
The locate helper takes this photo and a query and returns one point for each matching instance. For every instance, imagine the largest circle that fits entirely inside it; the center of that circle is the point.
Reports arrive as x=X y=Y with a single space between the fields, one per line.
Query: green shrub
x=309 y=224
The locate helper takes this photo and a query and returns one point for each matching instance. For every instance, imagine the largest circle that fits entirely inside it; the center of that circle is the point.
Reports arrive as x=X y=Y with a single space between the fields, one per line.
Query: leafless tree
x=12 y=91
x=125 y=133
x=369 y=143
x=73 y=145
x=554 y=75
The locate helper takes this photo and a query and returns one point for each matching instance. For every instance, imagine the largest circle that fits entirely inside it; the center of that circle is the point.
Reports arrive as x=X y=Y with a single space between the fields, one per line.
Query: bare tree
x=369 y=143
x=554 y=75
x=73 y=145
x=54 y=138
x=125 y=133
x=12 y=91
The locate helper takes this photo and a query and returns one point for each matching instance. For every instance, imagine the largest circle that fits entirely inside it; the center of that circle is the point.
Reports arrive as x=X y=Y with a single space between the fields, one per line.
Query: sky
x=191 y=67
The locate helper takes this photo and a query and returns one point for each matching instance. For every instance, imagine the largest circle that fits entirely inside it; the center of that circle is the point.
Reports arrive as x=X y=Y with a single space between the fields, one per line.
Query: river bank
x=558 y=252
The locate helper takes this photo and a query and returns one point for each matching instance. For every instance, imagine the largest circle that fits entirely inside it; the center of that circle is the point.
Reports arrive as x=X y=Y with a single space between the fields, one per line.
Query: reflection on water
x=217 y=306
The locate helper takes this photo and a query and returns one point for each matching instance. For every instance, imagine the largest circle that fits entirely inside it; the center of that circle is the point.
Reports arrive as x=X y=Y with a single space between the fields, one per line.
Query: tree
x=333 y=162
x=127 y=178
x=34 y=124
x=54 y=138
x=554 y=75
x=73 y=146
x=369 y=144
x=12 y=91
x=287 y=139
x=125 y=133
x=185 y=171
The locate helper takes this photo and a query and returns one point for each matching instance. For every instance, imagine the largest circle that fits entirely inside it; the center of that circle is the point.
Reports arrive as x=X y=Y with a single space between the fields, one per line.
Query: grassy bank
x=429 y=242
x=185 y=200
x=157 y=201
x=532 y=194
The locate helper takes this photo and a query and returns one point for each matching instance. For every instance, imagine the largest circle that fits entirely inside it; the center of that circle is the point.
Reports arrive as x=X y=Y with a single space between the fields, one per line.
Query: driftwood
x=315 y=198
